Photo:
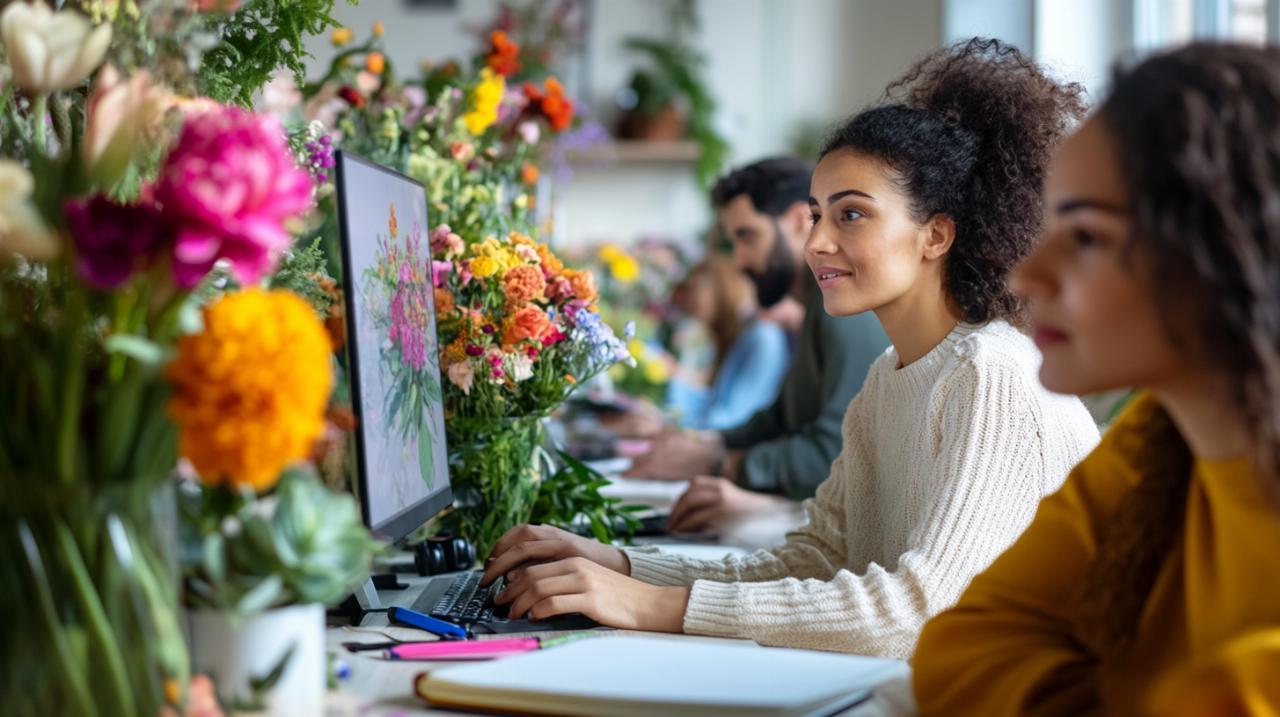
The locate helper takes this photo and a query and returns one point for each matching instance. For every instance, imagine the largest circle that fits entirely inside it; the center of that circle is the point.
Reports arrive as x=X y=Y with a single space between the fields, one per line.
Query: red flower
x=504 y=55
x=352 y=96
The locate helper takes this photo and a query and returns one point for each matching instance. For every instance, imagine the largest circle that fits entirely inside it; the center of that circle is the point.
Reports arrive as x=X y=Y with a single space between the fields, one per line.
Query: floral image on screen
x=398 y=291
x=396 y=358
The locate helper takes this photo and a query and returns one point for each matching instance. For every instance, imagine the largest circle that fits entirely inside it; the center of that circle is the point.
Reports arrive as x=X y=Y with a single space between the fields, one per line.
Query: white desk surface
x=384 y=688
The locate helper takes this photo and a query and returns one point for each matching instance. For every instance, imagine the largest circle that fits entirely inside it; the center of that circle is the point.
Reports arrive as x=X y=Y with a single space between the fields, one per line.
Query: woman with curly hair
x=920 y=207
x=1149 y=584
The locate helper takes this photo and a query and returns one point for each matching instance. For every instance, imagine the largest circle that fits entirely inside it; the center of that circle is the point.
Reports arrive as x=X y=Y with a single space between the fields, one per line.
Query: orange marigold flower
x=456 y=351
x=504 y=54
x=550 y=262
x=523 y=284
x=528 y=173
x=583 y=283
x=375 y=63
x=527 y=323
x=553 y=103
x=444 y=302
x=250 y=390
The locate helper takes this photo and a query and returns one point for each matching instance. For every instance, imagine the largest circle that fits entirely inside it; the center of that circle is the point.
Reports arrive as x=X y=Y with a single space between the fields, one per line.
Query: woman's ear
x=940 y=234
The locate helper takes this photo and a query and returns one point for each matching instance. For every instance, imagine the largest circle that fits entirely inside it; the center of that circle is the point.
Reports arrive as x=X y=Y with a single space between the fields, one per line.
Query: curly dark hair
x=1200 y=132
x=969 y=132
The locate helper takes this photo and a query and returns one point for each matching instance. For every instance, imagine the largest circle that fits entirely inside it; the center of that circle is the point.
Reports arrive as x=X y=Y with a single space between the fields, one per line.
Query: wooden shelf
x=632 y=151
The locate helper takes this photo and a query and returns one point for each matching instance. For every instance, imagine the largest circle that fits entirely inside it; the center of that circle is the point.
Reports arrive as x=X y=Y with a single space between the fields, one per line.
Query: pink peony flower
x=438 y=271
x=227 y=188
x=113 y=240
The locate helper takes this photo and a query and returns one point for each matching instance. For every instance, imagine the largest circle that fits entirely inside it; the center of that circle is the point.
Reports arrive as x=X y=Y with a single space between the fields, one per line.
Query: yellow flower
x=625 y=268
x=485 y=98
x=609 y=253
x=655 y=371
x=341 y=36
x=483 y=266
x=378 y=29
x=250 y=390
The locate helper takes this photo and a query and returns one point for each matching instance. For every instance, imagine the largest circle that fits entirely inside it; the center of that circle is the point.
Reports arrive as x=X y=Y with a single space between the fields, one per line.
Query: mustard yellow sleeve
x=1007 y=647
x=1241 y=678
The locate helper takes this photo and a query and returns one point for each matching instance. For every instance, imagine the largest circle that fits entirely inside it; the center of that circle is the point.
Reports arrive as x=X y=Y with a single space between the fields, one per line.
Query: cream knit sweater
x=943 y=464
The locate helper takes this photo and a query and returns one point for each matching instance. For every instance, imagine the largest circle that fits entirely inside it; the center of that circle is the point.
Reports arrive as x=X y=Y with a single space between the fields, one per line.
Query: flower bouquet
x=517 y=330
x=119 y=192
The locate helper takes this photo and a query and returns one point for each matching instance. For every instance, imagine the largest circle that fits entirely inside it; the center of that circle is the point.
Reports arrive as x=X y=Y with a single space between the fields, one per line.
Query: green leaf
x=261 y=596
x=145 y=351
x=269 y=680
x=214 y=557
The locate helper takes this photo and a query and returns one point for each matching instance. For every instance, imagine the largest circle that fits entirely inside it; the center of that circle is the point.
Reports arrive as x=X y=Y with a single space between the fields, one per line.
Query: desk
x=382 y=688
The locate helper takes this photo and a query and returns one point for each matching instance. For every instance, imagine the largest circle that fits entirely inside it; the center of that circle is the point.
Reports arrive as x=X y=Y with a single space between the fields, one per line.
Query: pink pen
x=462 y=649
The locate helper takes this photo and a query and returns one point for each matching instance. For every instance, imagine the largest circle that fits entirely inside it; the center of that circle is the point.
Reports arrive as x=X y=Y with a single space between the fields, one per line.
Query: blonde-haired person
x=1150 y=584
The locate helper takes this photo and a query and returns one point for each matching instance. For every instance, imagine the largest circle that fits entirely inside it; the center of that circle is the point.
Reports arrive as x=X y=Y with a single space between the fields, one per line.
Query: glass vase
x=495 y=466
x=88 y=591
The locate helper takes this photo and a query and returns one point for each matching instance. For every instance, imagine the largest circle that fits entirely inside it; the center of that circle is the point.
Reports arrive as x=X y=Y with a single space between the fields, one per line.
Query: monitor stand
x=365 y=599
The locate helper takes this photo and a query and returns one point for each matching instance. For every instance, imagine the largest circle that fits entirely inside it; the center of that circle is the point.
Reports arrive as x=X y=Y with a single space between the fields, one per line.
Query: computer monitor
x=401 y=457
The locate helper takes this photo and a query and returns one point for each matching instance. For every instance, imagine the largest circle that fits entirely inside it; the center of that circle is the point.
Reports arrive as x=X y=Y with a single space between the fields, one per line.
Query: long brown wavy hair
x=733 y=303
x=1199 y=132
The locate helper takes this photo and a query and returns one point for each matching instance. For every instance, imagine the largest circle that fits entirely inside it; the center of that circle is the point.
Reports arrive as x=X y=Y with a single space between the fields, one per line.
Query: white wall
x=775 y=66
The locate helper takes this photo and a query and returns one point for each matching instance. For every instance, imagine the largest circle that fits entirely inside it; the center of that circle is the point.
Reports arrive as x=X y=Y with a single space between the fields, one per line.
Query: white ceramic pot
x=235 y=652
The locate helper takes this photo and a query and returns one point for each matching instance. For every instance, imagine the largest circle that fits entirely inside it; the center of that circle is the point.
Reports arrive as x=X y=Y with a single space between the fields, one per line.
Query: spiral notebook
x=641 y=676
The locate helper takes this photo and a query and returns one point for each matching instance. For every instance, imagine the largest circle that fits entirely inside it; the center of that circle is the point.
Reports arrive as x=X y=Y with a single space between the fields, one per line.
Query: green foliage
x=572 y=494
x=497 y=476
x=678 y=72
x=260 y=37
x=242 y=554
x=304 y=271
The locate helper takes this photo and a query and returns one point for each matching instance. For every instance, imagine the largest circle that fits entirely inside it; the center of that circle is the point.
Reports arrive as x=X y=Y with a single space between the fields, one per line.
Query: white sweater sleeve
x=982 y=486
x=815 y=550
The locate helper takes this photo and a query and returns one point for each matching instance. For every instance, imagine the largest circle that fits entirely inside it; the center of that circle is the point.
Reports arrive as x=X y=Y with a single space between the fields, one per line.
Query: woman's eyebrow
x=842 y=194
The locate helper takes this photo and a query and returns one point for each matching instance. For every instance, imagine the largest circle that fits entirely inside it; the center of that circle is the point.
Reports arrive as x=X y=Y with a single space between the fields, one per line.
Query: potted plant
x=671 y=100
x=261 y=557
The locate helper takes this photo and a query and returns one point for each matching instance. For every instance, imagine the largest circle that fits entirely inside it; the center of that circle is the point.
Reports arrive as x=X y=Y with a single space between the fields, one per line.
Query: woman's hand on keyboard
x=578 y=585
x=526 y=544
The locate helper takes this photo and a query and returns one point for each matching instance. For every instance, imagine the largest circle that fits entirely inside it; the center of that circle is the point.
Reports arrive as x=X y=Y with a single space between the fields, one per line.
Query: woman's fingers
x=540 y=590
x=696 y=520
x=693 y=499
x=521 y=554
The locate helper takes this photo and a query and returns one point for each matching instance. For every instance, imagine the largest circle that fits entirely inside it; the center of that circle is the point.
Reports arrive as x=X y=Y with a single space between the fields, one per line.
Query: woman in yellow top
x=1150 y=584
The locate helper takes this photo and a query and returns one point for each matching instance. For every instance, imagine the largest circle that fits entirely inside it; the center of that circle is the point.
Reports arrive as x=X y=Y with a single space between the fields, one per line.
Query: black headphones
x=443 y=554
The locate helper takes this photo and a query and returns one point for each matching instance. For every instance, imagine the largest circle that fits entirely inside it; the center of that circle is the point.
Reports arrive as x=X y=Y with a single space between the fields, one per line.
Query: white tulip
x=120 y=115
x=21 y=229
x=51 y=51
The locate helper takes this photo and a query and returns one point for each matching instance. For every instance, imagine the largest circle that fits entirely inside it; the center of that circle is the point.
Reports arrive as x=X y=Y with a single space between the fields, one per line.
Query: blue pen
x=413 y=618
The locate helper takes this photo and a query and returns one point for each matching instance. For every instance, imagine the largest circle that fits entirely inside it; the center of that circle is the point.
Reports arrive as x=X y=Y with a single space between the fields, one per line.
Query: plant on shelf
x=517 y=330
x=116 y=182
x=675 y=77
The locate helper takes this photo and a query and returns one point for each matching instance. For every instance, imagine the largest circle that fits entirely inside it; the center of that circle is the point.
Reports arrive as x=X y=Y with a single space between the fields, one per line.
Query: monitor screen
x=401 y=456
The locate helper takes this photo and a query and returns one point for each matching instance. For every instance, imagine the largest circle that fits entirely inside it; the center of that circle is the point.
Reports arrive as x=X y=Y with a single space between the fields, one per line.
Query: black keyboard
x=460 y=599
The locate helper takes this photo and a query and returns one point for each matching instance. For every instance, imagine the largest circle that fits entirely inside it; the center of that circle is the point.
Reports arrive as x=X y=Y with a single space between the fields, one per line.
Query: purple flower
x=112 y=240
x=227 y=188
